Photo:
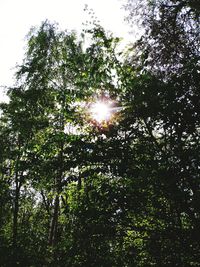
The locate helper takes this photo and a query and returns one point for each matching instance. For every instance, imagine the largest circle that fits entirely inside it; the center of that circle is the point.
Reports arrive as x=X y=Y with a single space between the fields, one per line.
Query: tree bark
x=54 y=224
x=16 y=212
x=53 y=233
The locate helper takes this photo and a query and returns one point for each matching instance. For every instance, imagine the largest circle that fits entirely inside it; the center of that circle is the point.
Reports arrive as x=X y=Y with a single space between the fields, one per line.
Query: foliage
x=171 y=40
x=125 y=193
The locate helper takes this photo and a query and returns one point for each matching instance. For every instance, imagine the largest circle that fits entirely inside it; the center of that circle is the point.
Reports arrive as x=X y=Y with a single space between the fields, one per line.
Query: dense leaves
x=75 y=192
x=171 y=40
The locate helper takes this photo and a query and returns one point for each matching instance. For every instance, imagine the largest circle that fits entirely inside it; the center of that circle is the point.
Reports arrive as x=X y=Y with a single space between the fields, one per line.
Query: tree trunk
x=53 y=233
x=15 y=214
x=16 y=203
x=15 y=219
x=54 y=223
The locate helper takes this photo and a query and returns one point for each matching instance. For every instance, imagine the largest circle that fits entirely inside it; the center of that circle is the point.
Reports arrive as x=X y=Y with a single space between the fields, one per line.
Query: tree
x=117 y=193
x=167 y=103
x=56 y=74
x=171 y=40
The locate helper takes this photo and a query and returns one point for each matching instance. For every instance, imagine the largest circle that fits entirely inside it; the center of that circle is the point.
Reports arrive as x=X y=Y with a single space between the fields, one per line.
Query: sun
x=101 y=111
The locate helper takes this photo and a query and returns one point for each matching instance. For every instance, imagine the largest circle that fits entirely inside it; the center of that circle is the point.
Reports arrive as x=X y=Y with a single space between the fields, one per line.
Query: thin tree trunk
x=15 y=219
x=53 y=233
x=15 y=213
x=54 y=223
x=46 y=203
x=16 y=204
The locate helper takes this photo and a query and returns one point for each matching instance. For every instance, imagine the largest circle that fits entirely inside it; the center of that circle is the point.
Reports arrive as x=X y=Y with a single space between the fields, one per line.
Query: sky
x=18 y=16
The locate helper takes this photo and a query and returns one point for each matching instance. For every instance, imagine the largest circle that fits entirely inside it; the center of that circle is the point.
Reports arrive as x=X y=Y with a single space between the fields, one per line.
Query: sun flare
x=101 y=111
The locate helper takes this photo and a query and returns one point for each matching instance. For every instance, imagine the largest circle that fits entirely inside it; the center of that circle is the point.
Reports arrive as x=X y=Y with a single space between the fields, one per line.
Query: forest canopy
x=122 y=190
